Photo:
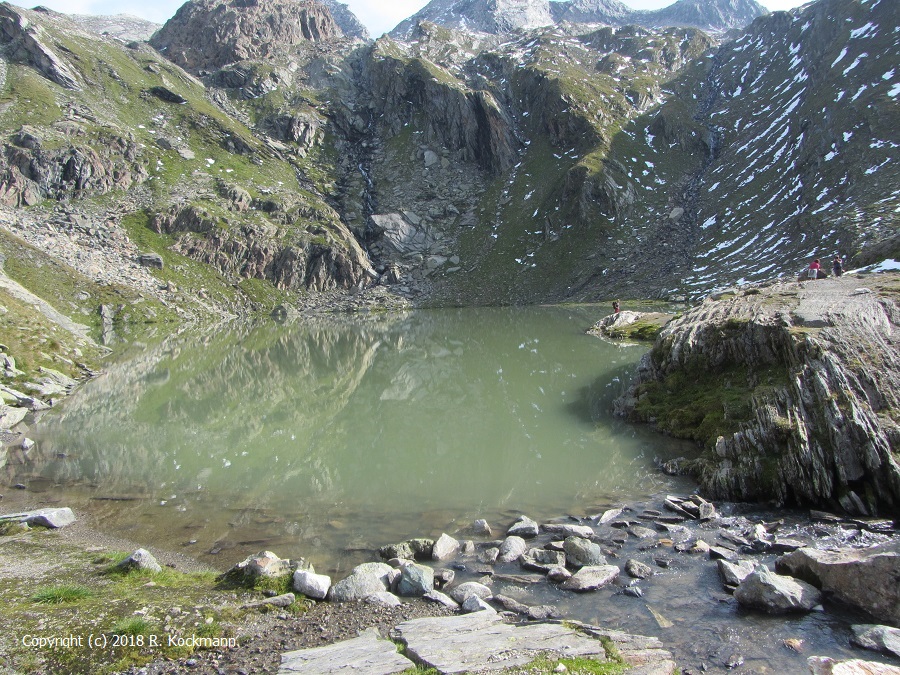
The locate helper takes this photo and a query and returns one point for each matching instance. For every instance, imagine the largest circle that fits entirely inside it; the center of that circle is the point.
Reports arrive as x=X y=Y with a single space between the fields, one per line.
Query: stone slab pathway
x=480 y=642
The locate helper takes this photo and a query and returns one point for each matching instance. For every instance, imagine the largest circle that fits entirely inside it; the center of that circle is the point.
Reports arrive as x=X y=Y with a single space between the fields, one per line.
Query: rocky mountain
x=208 y=34
x=274 y=156
x=503 y=16
x=123 y=27
x=346 y=20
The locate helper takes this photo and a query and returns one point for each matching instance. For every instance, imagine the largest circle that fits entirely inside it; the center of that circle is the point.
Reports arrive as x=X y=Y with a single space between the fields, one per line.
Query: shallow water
x=326 y=439
x=331 y=437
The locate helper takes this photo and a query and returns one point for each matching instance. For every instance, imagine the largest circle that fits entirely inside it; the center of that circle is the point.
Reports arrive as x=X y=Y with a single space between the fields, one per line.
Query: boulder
x=50 y=517
x=444 y=548
x=776 y=594
x=733 y=573
x=566 y=530
x=312 y=585
x=463 y=591
x=542 y=560
x=10 y=417
x=591 y=578
x=637 y=569
x=824 y=665
x=864 y=578
x=583 y=553
x=365 y=580
x=141 y=559
x=153 y=260
x=511 y=549
x=884 y=639
x=441 y=599
x=267 y=564
x=475 y=604
x=524 y=527
x=383 y=598
x=415 y=580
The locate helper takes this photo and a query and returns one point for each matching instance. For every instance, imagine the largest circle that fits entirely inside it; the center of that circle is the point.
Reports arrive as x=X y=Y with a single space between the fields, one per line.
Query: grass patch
x=61 y=594
x=575 y=666
x=135 y=625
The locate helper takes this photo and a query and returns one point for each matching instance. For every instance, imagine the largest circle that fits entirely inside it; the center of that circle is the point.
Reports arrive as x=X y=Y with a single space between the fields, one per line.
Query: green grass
x=61 y=594
x=579 y=665
x=134 y=625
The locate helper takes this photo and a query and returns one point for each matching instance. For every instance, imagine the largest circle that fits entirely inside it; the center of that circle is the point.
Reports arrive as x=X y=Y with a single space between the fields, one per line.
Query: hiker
x=837 y=267
x=814 y=268
x=616 y=306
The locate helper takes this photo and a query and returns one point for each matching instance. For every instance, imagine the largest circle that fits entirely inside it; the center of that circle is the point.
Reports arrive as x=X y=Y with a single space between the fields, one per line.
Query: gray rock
x=311 y=585
x=267 y=564
x=366 y=579
x=444 y=548
x=825 y=665
x=511 y=549
x=733 y=573
x=642 y=532
x=403 y=550
x=441 y=599
x=884 y=639
x=558 y=574
x=475 y=604
x=524 y=527
x=583 y=553
x=637 y=569
x=481 y=528
x=591 y=578
x=368 y=653
x=567 y=530
x=535 y=613
x=430 y=158
x=542 y=560
x=383 y=598
x=153 y=260
x=50 y=517
x=776 y=594
x=489 y=555
x=10 y=417
x=140 y=560
x=864 y=578
x=464 y=590
x=606 y=516
x=415 y=580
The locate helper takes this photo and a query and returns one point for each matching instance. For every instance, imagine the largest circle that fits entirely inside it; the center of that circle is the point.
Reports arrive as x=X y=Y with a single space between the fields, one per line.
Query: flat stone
x=542 y=560
x=366 y=654
x=566 y=530
x=591 y=578
x=721 y=553
x=10 y=417
x=483 y=642
x=606 y=516
x=52 y=518
x=825 y=665
x=884 y=639
x=441 y=599
x=284 y=600
x=642 y=532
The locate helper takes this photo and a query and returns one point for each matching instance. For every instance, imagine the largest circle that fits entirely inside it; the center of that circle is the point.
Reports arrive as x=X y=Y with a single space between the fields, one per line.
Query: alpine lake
x=328 y=437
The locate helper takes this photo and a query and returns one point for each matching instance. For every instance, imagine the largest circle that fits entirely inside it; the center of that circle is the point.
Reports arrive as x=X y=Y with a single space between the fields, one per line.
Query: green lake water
x=328 y=438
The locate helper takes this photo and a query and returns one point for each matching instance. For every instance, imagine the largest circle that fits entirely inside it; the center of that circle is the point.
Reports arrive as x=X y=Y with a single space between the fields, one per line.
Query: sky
x=377 y=15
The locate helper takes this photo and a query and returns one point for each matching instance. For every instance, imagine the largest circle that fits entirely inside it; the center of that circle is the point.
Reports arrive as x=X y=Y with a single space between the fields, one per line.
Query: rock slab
x=52 y=518
x=366 y=654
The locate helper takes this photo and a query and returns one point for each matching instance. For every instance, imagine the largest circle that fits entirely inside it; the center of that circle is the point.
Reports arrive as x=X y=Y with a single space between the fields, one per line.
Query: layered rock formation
x=208 y=34
x=792 y=389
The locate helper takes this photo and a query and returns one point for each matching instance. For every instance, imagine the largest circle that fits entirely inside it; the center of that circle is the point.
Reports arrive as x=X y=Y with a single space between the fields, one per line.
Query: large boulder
x=865 y=578
x=776 y=594
x=583 y=553
x=311 y=585
x=365 y=580
x=415 y=580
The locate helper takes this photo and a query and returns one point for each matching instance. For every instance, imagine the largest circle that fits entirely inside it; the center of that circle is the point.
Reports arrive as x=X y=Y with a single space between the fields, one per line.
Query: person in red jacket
x=814 y=268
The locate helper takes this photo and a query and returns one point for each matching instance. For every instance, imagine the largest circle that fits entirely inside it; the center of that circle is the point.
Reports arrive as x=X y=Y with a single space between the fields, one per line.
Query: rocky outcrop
x=252 y=249
x=29 y=173
x=486 y=16
x=792 y=389
x=26 y=42
x=864 y=578
x=208 y=34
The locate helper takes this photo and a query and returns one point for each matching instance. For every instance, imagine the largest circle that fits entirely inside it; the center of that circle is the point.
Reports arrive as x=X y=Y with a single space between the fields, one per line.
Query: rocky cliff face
x=209 y=34
x=504 y=16
x=790 y=388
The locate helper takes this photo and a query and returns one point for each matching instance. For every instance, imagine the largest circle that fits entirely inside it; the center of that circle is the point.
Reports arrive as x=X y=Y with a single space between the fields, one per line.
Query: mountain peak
x=482 y=16
x=209 y=34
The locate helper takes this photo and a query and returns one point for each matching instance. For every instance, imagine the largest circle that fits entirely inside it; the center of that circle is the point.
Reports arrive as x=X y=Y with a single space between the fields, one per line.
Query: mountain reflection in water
x=329 y=438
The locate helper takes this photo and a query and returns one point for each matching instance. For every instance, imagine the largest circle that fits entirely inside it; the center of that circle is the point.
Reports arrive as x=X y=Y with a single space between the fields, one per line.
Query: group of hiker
x=837 y=267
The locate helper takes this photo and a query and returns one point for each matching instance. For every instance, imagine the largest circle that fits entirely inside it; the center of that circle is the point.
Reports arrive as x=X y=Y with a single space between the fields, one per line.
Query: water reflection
x=327 y=439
